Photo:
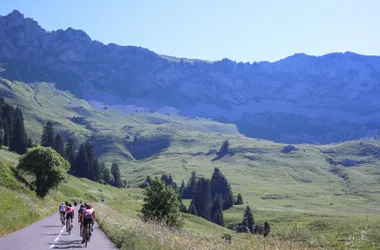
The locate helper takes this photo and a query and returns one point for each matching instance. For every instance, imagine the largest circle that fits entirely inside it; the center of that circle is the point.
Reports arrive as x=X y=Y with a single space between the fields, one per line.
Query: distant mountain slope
x=298 y=99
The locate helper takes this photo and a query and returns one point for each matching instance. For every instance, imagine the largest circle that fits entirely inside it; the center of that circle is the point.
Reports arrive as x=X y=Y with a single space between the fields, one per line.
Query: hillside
x=295 y=190
x=117 y=217
x=26 y=207
x=300 y=99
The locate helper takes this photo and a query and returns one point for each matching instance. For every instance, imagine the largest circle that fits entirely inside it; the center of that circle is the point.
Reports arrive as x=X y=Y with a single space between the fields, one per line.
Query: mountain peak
x=16 y=14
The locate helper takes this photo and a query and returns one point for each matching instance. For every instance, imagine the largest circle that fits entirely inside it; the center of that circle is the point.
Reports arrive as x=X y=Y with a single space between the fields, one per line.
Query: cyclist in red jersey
x=70 y=213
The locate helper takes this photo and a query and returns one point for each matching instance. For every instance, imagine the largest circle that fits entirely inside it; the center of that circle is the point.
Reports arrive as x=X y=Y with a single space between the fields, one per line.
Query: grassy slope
x=118 y=217
x=290 y=190
x=20 y=206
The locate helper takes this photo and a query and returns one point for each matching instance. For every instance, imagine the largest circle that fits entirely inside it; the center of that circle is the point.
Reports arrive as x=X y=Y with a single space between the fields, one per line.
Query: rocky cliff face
x=298 y=99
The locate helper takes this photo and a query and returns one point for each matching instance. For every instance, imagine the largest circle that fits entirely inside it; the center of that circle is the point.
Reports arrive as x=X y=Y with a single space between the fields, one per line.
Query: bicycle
x=68 y=226
x=63 y=219
x=86 y=234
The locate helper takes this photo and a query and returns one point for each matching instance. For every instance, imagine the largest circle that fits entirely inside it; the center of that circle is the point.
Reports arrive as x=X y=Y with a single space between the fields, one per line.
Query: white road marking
x=57 y=238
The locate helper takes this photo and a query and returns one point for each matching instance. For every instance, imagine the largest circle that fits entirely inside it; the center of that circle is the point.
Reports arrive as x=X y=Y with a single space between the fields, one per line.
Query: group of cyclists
x=86 y=215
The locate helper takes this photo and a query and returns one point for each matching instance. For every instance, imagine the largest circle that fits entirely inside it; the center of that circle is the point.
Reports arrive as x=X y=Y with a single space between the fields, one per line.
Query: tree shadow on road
x=67 y=244
x=52 y=234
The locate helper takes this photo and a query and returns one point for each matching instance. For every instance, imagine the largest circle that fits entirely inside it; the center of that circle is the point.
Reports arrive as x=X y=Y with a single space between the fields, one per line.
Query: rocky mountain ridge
x=298 y=99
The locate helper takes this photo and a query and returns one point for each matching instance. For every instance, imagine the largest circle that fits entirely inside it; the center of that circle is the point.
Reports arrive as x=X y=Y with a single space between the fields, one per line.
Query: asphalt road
x=50 y=234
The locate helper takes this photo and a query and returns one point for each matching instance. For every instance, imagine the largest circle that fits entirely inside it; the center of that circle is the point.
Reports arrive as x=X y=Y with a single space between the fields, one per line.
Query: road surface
x=50 y=234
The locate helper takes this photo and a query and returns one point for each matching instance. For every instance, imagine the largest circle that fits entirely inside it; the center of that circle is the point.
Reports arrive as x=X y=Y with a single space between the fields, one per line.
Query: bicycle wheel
x=87 y=235
x=69 y=224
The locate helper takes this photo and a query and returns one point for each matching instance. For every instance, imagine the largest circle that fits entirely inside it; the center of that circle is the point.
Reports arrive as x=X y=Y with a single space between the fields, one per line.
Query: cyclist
x=62 y=211
x=88 y=217
x=70 y=214
x=80 y=210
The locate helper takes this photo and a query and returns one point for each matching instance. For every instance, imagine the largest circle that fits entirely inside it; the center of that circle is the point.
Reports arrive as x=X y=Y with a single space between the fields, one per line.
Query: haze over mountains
x=300 y=99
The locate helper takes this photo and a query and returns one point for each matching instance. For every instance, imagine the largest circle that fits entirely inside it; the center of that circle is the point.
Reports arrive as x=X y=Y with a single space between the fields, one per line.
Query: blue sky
x=242 y=30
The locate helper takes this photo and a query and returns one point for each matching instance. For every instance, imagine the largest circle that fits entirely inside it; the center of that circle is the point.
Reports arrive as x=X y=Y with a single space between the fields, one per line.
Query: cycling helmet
x=63 y=203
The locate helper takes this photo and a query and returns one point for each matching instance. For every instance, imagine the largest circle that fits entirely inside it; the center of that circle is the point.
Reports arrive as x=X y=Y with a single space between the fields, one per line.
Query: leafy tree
x=239 y=199
x=47 y=139
x=161 y=204
x=59 y=145
x=47 y=166
x=70 y=151
x=115 y=171
x=188 y=192
x=217 y=210
x=106 y=174
x=224 y=149
x=266 y=229
x=248 y=220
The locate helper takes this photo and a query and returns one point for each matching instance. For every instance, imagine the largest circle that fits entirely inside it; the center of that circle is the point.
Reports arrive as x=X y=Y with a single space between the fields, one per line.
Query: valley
x=303 y=134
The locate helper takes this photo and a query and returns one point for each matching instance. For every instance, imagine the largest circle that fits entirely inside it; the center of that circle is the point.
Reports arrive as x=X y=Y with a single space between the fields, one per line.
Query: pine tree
x=239 y=199
x=170 y=180
x=48 y=134
x=228 y=198
x=78 y=169
x=19 y=139
x=97 y=171
x=8 y=123
x=182 y=206
x=202 y=198
x=266 y=229
x=219 y=185
x=148 y=180
x=217 y=210
x=165 y=179
x=248 y=220
x=30 y=143
x=90 y=170
x=182 y=188
x=1 y=132
x=115 y=171
x=59 y=145
x=70 y=151
x=106 y=174
x=188 y=192
x=192 y=209
x=6 y=137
